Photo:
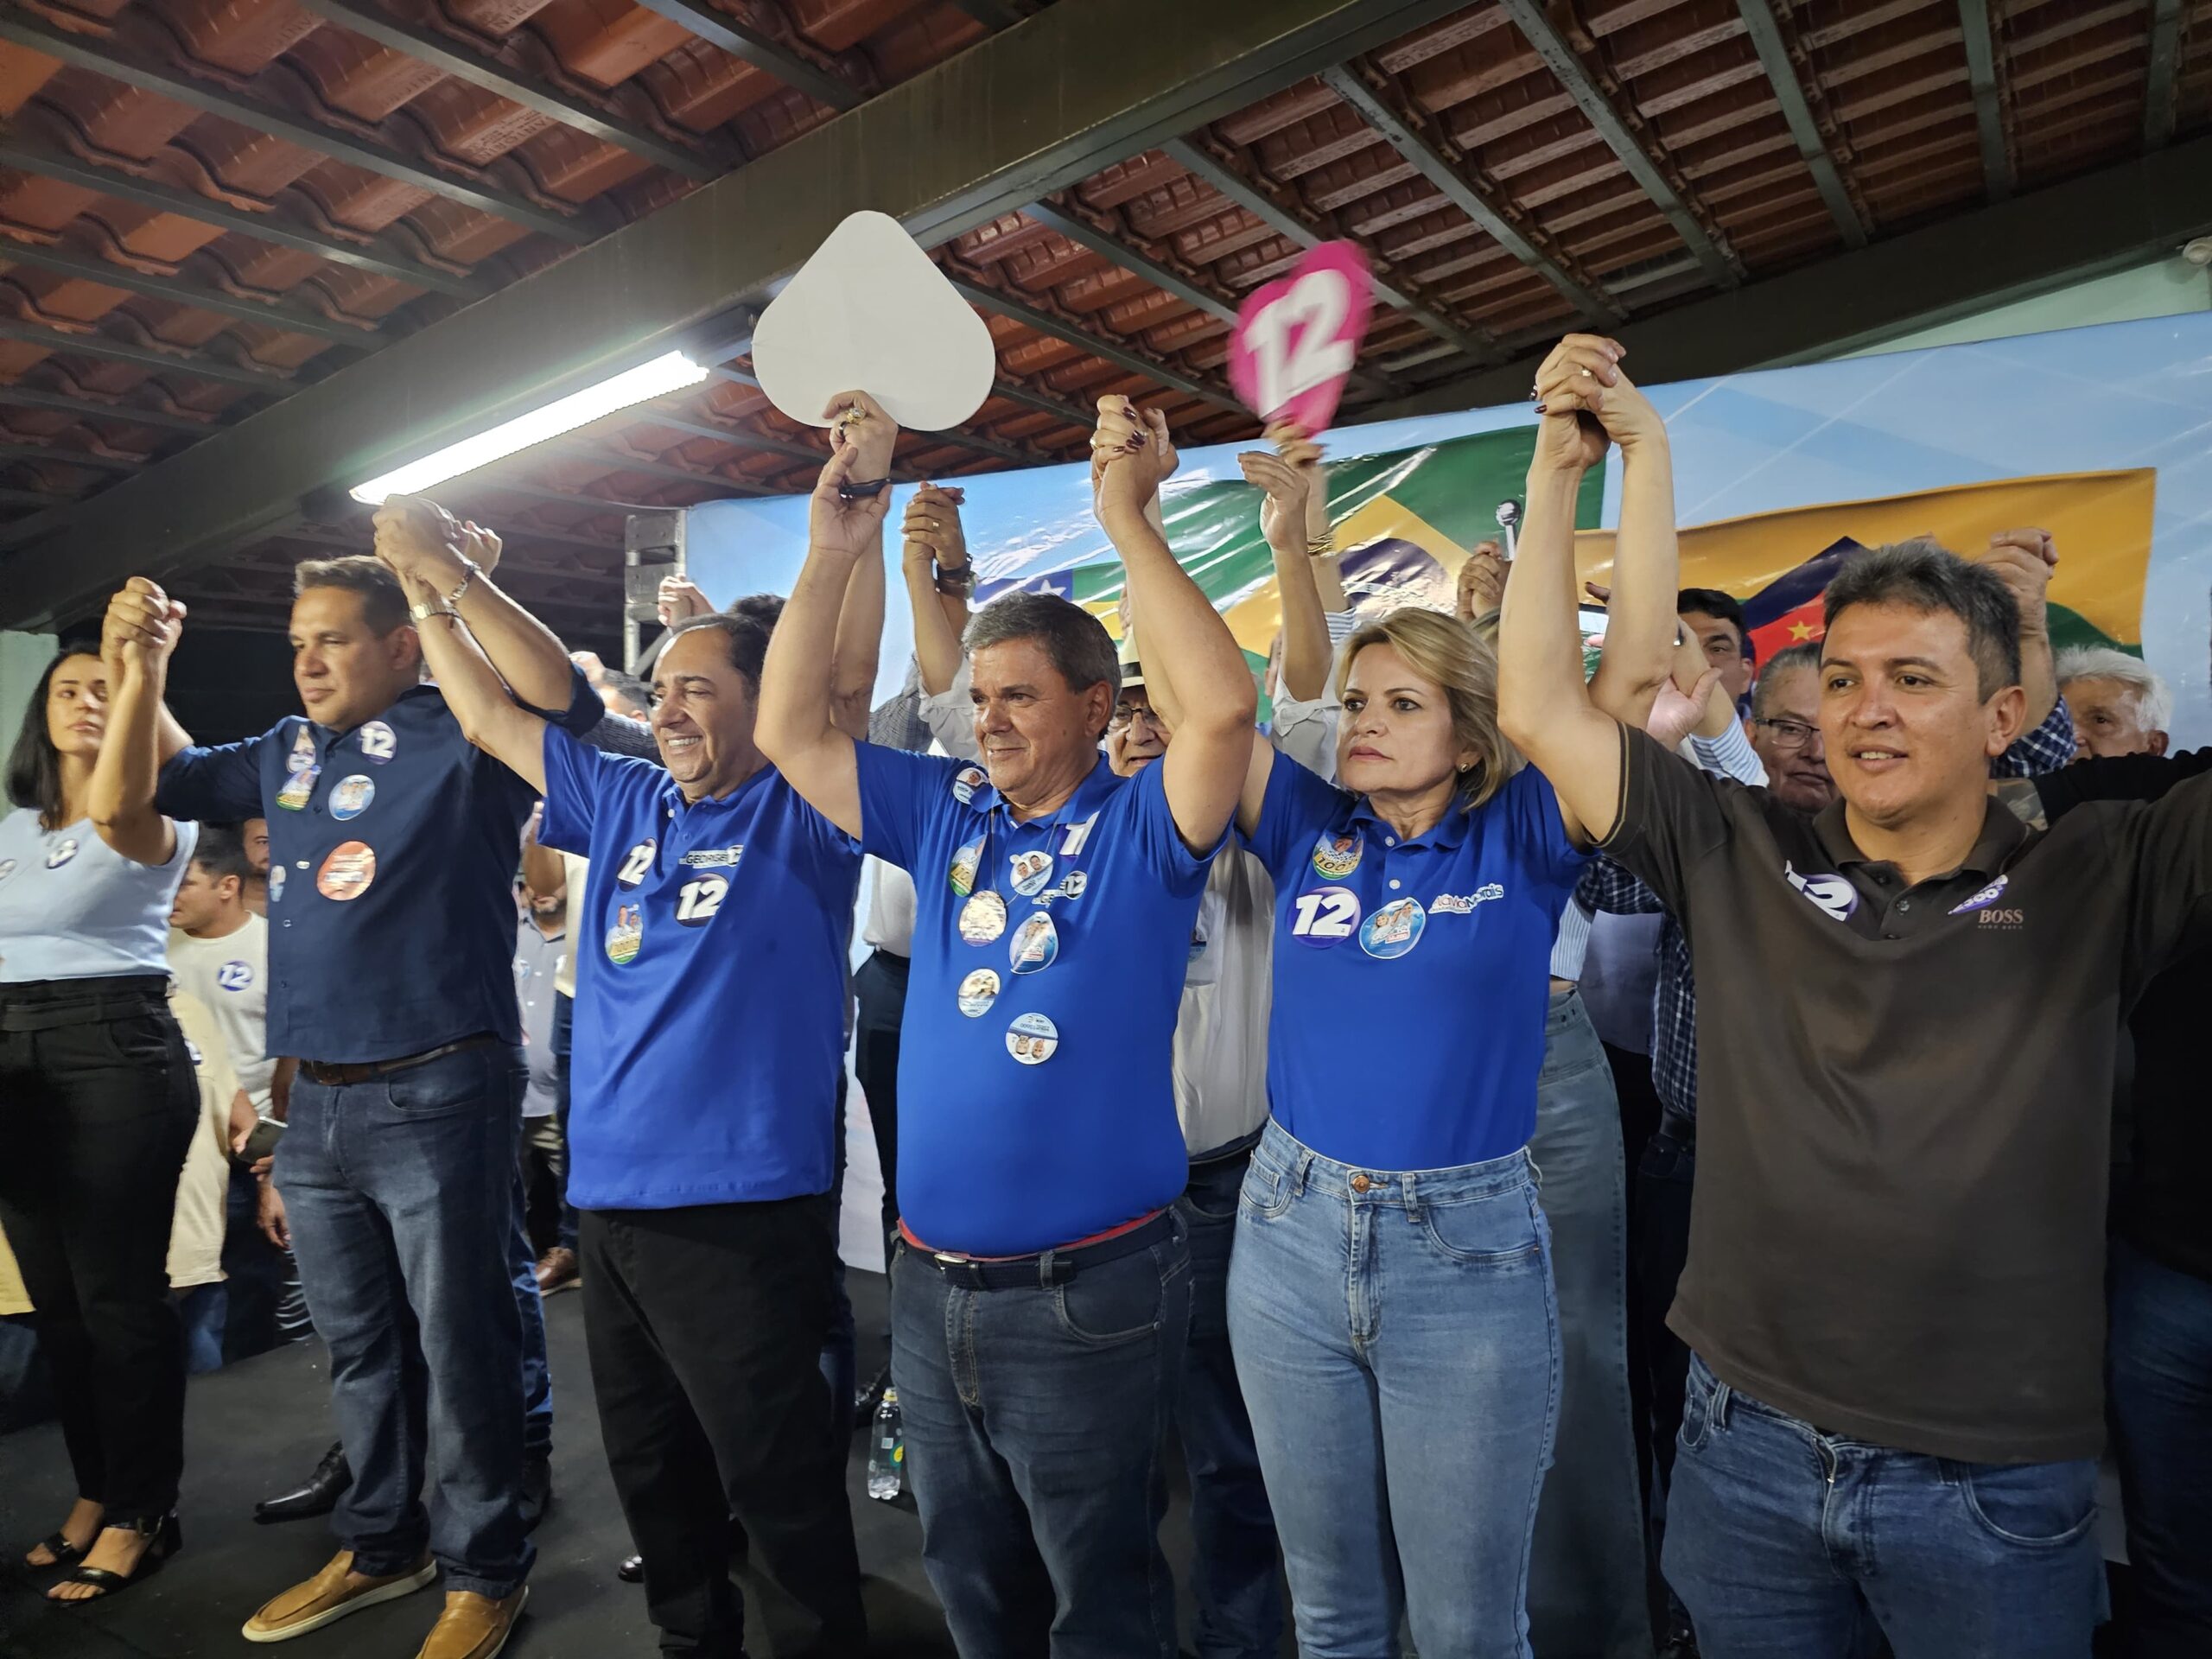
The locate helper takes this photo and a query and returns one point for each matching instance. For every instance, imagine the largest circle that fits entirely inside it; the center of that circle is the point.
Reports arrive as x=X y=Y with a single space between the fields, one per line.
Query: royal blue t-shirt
x=1411 y=981
x=709 y=1034
x=1036 y=1093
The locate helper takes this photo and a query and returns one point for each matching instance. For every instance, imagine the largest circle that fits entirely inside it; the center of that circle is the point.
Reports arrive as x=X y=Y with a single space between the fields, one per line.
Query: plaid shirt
x=1606 y=885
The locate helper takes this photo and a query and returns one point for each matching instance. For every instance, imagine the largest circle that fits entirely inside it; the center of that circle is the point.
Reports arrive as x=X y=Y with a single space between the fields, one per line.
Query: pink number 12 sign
x=1297 y=337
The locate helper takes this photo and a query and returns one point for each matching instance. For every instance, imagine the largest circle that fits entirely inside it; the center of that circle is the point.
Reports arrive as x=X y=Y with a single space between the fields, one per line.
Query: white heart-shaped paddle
x=869 y=313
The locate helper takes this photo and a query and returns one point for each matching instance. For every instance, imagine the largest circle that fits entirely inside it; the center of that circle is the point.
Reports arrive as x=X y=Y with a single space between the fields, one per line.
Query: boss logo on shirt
x=1463 y=904
x=1834 y=895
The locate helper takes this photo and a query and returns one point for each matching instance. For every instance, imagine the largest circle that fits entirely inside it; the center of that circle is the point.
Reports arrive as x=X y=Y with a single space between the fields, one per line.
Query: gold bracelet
x=1318 y=545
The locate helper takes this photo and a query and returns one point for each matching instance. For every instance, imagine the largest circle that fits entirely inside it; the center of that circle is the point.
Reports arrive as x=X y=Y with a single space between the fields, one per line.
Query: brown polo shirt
x=1904 y=1102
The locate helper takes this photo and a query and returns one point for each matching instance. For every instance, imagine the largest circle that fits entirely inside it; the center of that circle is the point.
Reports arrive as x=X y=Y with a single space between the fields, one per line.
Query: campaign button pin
x=1032 y=1039
x=378 y=741
x=349 y=797
x=626 y=935
x=347 y=873
x=966 y=782
x=982 y=918
x=1032 y=872
x=978 y=991
x=1035 y=943
x=1336 y=855
x=965 y=863
x=1394 y=930
x=297 y=789
x=302 y=754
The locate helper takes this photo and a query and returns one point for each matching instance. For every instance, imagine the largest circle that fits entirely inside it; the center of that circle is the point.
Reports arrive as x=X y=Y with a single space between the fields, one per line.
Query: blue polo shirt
x=1411 y=979
x=1036 y=1097
x=392 y=850
x=709 y=1033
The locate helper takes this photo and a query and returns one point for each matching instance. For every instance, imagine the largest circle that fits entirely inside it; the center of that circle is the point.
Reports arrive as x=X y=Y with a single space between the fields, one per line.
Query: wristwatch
x=424 y=609
x=849 y=490
x=961 y=579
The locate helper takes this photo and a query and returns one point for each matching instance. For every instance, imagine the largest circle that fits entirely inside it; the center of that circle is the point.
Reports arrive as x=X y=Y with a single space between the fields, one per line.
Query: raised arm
x=1640 y=627
x=489 y=717
x=1204 y=767
x=2023 y=561
x=859 y=646
x=121 y=798
x=1287 y=520
x=797 y=729
x=1543 y=706
x=448 y=556
x=934 y=561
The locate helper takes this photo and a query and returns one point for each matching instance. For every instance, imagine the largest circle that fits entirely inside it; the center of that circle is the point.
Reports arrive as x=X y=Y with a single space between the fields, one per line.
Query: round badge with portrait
x=347 y=872
x=1036 y=942
x=302 y=754
x=965 y=864
x=1030 y=872
x=349 y=797
x=966 y=782
x=628 y=933
x=1337 y=854
x=982 y=918
x=1032 y=1039
x=978 y=991
x=275 y=882
x=1394 y=930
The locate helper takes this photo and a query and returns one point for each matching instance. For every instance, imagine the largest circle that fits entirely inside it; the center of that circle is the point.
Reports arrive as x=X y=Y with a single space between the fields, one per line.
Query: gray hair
x=1075 y=640
x=2153 y=699
x=1923 y=576
x=1805 y=654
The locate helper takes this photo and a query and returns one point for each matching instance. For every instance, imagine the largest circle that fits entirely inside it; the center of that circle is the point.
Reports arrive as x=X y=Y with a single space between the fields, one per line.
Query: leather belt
x=1047 y=1270
x=337 y=1075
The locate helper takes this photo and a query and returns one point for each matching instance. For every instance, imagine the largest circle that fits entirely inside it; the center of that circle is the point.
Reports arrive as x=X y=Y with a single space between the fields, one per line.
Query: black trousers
x=880 y=990
x=704 y=1326
x=98 y=1105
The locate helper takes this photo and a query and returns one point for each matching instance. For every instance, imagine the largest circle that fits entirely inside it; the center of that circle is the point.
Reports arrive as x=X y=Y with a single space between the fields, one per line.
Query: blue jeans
x=400 y=1192
x=1232 y=1530
x=1784 y=1541
x=203 y=1309
x=530 y=1307
x=1035 y=1421
x=1586 y=1593
x=1398 y=1343
x=2158 y=1361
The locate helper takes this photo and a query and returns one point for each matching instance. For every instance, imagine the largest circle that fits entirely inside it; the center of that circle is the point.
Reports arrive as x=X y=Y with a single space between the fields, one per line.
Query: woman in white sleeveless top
x=97 y=1095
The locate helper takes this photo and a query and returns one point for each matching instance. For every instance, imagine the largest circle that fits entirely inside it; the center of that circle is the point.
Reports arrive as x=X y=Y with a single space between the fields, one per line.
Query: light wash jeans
x=1784 y=1541
x=1398 y=1343
x=1587 y=1590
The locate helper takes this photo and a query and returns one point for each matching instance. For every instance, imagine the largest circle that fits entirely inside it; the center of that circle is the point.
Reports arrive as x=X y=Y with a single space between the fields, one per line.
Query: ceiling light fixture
x=672 y=372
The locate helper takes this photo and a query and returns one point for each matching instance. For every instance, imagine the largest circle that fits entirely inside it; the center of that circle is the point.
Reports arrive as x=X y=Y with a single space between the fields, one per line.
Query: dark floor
x=254 y=1428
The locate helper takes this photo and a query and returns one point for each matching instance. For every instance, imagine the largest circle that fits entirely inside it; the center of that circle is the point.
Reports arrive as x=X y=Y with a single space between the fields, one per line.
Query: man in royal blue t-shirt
x=707 y=1047
x=1041 y=1298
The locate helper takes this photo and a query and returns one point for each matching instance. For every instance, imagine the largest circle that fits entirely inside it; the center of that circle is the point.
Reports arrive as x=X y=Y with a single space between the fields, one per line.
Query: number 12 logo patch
x=698 y=899
x=1325 y=916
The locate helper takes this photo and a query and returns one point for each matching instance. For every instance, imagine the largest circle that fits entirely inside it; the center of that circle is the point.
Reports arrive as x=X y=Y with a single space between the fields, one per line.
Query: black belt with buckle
x=337 y=1075
x=1047 y=1270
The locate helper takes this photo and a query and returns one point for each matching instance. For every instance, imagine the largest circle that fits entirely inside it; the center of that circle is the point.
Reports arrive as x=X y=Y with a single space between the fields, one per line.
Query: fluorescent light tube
x=654 y=379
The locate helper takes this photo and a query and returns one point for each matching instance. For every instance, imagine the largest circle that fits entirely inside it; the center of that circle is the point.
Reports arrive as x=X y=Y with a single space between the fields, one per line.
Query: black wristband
x=849 y=491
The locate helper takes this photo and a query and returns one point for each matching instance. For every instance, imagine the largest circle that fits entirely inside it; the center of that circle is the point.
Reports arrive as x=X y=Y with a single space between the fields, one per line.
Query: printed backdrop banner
x=2101 y=436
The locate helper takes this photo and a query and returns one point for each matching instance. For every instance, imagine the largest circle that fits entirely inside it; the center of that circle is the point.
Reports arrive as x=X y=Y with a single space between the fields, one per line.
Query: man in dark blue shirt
x=392 y=847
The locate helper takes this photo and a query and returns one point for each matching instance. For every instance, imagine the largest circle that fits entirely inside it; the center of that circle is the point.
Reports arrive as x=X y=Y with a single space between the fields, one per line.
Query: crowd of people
x=1689 y=1156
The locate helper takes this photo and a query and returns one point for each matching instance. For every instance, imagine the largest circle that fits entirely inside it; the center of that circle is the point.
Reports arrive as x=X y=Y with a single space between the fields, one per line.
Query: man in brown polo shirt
x=1907 y=1021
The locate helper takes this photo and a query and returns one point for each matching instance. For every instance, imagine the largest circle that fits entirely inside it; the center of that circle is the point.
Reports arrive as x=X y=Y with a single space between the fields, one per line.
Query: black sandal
x=165 y=1537
x=65 y=1554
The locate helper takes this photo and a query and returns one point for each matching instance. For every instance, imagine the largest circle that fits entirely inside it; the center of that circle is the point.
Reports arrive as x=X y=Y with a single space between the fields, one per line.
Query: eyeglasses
x=1790 y=735
x=1125 y=715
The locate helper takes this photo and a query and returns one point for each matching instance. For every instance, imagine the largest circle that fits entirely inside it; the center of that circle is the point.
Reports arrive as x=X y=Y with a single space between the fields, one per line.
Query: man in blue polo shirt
x=1041 y=1294
x=392 y=849
x=707 y=1047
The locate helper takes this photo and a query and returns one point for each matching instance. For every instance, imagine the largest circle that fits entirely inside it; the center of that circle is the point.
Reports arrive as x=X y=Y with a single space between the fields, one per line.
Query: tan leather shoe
x=474 y=1627
x=330 y=1596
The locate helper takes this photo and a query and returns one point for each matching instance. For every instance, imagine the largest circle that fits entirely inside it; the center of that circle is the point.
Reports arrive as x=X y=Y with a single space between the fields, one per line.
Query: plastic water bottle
x=887 y=1452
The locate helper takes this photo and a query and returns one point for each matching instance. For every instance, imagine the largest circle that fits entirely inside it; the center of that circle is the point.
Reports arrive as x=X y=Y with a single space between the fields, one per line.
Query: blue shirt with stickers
x=392 y=850
x=710 y=1036
x=1036 y=1102
x=1410 y=979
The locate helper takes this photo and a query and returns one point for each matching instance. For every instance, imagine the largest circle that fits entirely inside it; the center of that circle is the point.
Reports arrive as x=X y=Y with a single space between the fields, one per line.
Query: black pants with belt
x=704 y=1326
x=97 y=1106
